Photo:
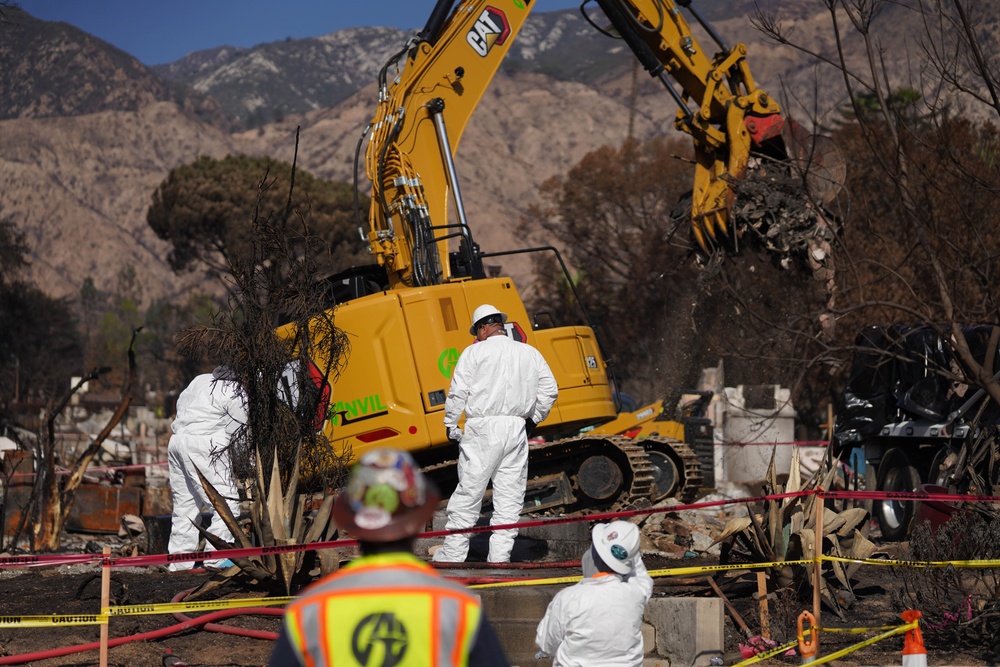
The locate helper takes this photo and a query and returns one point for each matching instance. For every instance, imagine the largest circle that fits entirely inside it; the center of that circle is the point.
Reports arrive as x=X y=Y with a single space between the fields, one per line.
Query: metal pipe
x=673 y=93
x=436 y=107
x=705 y=24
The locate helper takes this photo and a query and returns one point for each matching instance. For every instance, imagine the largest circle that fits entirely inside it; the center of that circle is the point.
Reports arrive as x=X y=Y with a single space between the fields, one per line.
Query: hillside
x=79 y=188
x=80 y=162
x=53 y=69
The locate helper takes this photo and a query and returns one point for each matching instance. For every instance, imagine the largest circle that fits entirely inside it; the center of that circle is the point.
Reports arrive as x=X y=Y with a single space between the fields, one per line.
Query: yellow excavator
x=407 y=315
x=679 y=442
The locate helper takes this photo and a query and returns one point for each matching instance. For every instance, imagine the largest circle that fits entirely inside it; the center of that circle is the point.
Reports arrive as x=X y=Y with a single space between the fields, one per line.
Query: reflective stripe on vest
x=389 y=610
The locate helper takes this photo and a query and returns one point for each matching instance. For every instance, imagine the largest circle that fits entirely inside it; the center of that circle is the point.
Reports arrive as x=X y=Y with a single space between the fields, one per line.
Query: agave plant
x=785 y=530
x=278 y=517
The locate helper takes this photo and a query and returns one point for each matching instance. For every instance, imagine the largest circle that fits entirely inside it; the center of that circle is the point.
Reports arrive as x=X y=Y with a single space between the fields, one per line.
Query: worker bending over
x=209 y=411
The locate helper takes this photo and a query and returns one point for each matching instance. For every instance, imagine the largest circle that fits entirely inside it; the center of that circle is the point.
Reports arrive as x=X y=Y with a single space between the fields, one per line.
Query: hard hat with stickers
x=387 y=498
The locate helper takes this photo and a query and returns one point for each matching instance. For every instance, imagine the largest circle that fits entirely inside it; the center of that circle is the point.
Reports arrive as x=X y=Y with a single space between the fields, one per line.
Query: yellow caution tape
x=868 y=642
x=770 y=653
x=55 y=619
x=892 y=631
x=859 y=631
x=916 y=563
x=695 y=569
x=530 y=582
x=668 y=572
x=7 y=621
x=173 y=607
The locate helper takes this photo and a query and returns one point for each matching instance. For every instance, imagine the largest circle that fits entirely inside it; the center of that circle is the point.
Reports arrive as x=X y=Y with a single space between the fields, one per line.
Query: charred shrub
x=960 y=604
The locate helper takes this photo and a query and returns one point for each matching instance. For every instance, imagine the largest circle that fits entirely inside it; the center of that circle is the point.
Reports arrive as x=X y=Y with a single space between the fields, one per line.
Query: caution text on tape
x=194 y=605
x=52 y=620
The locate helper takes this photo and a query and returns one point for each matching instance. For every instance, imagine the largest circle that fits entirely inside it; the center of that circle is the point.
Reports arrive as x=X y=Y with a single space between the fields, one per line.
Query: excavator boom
x=410 y=154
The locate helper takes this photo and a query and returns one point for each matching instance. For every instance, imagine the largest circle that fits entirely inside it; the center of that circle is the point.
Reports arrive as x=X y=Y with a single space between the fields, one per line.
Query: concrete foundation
x=687 y=632
x=559 y=542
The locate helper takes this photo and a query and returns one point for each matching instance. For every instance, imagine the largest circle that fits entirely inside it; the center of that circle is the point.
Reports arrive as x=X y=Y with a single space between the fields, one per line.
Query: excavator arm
x=429 y=89
x=720 y=106
x=421 y=114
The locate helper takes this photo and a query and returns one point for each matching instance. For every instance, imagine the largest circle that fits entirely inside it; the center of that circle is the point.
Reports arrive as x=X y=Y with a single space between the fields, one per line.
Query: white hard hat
x=481 y=313
x=617 y=543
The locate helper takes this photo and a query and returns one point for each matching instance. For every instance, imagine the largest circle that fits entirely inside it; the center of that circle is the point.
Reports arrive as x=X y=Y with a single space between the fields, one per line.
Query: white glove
x=455 y=433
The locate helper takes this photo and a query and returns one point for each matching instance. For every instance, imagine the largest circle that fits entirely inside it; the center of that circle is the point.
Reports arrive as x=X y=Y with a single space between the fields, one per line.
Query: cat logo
x=491 y=28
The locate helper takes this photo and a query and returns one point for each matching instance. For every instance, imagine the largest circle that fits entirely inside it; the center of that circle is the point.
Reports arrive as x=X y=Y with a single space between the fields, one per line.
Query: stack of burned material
x=782 y=530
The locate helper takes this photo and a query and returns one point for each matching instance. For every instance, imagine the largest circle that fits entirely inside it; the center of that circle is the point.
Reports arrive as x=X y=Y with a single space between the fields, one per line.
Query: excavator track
x=590 y=473
x=678 y=469
x=607 y=473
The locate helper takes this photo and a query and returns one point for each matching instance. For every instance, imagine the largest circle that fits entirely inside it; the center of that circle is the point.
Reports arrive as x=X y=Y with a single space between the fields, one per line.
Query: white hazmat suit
x=209 y=411
x=597 y=622
x=498 y=383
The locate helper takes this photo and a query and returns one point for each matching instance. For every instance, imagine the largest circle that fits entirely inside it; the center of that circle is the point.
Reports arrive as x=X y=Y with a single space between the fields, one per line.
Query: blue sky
x=162 y=31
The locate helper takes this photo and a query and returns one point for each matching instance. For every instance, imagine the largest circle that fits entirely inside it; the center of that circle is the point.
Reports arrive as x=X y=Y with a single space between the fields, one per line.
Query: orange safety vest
x=387 y=610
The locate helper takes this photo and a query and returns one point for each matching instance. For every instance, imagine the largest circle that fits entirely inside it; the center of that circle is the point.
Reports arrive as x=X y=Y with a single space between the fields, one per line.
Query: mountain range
x=87 y=132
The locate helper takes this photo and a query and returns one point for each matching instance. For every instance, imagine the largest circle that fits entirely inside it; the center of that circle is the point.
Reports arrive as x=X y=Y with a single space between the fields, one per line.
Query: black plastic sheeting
x=900 y=372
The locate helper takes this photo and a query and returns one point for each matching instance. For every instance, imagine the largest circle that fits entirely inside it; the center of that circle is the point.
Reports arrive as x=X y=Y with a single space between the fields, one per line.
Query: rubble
x=691 y=533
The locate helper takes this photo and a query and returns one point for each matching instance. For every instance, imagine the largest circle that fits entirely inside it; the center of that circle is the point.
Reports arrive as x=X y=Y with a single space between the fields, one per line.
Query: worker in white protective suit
x=209 y=411
x=598 y=621
x=505 y=388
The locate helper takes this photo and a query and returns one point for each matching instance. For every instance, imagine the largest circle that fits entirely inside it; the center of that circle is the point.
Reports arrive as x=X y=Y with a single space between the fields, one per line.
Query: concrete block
x=656 y=662
x=514 y=614
x=648 y=639
x=560 y=542
x=689 y=631
x=517 y=639
x=521 y=603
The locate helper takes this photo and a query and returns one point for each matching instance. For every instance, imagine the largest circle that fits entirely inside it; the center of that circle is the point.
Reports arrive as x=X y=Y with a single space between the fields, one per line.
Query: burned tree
x=278 y=339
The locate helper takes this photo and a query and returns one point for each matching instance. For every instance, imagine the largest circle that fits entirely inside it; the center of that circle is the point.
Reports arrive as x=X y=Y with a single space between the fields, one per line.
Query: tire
x=895 y=474
x=666 y=479
x=937 y=475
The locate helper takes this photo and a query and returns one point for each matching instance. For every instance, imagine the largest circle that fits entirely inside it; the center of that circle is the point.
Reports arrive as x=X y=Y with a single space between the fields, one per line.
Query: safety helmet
x=481 y=313
x=617 y=543
x=387 y=498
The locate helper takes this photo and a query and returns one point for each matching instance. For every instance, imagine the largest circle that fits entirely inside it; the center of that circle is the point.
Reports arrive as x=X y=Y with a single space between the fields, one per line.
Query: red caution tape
x=165 y=559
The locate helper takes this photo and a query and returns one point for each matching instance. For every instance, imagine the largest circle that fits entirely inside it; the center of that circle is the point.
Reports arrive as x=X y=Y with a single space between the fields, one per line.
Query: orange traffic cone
x=914 y=653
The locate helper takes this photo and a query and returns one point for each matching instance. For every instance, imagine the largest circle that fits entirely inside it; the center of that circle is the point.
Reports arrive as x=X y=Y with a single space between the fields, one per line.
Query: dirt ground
x=76 y=589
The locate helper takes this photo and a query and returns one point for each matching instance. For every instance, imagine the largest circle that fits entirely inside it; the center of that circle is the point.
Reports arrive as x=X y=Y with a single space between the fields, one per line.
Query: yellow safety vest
x=387 y=610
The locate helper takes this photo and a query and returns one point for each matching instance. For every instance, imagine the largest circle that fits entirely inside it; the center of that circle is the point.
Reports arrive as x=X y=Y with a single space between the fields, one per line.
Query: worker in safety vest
x=386 y=607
